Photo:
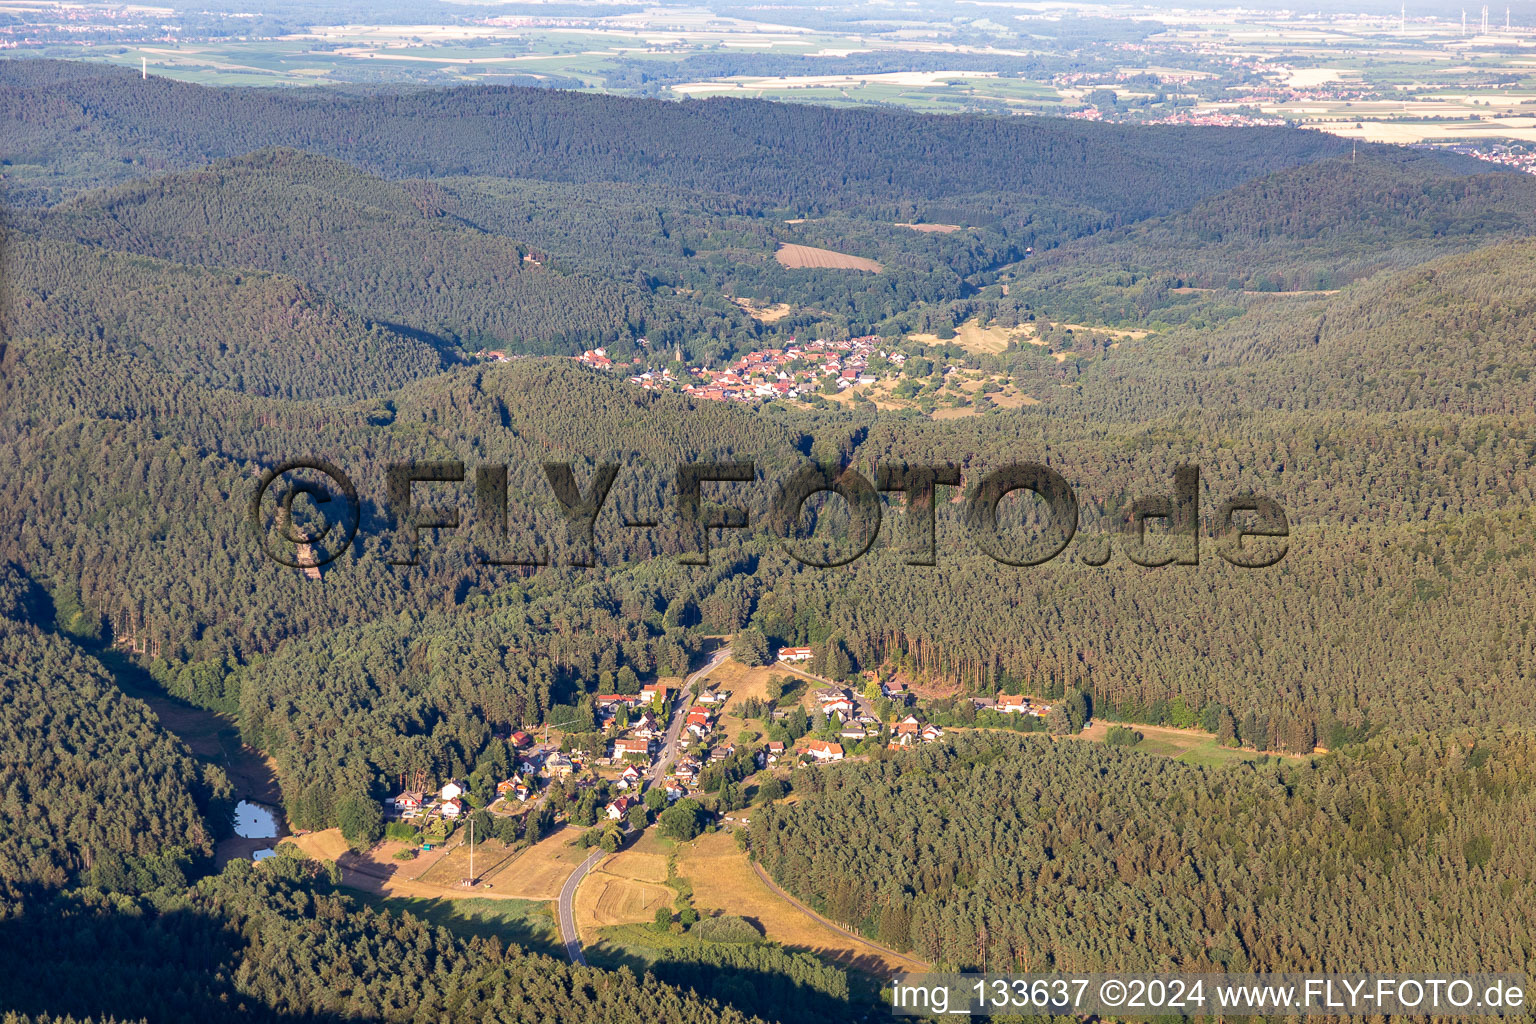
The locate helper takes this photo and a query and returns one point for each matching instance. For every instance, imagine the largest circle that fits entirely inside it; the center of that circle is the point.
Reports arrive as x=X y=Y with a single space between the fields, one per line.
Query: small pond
x=256 y=821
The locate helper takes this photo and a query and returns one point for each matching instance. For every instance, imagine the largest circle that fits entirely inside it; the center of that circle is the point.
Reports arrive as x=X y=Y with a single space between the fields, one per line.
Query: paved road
x=567 y=916
x=668 y=752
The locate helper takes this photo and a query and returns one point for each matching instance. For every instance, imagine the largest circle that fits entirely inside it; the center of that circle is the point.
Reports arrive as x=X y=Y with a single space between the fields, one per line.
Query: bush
x=1120 y=736
x=400 y=832
x=727 y=928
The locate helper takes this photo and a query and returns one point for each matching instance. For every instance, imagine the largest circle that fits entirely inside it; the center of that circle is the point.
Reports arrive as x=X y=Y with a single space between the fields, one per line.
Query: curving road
x=566 y=918
x=567 y=915
x=668 y=752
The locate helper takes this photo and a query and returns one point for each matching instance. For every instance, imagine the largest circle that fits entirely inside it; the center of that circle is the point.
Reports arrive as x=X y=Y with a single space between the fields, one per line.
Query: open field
x=534 y=874
x=940 y=229
x=606 y=899
x=538 y=872
x=978 y=340
x=491 y=856
x=807 y=256
x=764 y=314
x=1188 y=745
x=723 y=880
x=742 y=681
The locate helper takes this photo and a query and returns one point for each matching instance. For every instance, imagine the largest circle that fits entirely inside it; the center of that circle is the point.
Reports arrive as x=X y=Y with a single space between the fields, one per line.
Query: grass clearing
x=1188 y=745
x=539 y=871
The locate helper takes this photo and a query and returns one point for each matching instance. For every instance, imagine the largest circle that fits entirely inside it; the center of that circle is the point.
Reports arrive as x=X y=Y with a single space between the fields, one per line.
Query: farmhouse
x=650 y=691
x=794 y=654
x=1010 y=705
x=824 y=751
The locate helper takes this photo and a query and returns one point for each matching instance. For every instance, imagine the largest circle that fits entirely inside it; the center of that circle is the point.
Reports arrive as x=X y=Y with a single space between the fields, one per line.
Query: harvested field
x=939 y=229
x=605 y=899
x=803 y=256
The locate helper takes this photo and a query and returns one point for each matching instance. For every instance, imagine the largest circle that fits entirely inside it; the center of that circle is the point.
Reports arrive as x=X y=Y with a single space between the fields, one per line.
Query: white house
x=452 y=791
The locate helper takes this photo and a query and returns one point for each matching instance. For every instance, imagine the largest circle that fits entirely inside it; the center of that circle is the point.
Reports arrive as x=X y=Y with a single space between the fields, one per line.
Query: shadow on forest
x=171 y=967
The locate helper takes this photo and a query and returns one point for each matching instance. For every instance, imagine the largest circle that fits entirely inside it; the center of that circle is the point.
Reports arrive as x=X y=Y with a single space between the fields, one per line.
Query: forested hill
x=250 y=331
x=372 y=245
x=279 y=943
x=1315 y=227
x=1019 y=854
x=71 y=131
x=1452 y=335
x=91 y=788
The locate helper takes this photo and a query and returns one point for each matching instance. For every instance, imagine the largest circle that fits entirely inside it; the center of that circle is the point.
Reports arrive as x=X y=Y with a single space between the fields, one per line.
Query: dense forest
x=1018 y=854
x=200 y=284
x=277 y=942
x=93 y=787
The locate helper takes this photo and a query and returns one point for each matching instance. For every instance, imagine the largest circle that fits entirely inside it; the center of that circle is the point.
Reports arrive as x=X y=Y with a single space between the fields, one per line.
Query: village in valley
x=662 y=745
x=788 y=372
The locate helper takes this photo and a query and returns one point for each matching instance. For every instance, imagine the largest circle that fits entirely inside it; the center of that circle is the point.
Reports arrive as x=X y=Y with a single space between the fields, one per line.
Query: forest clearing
x=808 y=256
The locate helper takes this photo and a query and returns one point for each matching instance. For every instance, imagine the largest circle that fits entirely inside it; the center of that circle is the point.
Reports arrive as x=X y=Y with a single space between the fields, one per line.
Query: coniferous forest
x=200 y=284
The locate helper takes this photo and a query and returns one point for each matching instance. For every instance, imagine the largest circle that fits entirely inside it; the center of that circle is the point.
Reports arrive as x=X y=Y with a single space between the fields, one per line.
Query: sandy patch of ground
x=978 y=340
x=764 y=314
x=801 y=256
